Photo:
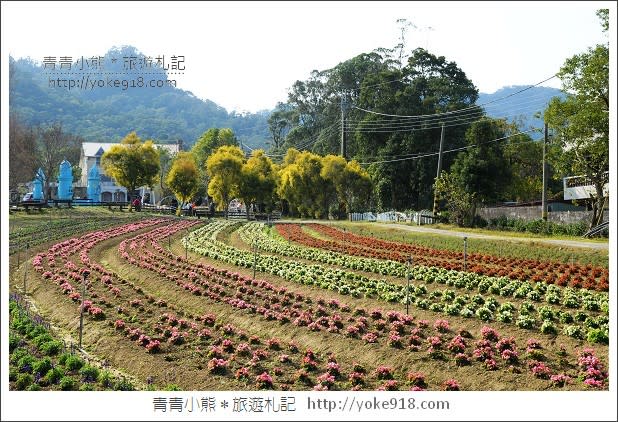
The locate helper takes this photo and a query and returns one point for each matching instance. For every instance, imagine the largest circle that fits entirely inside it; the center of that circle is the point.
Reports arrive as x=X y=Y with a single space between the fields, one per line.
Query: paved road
x=425 y=229
x=558 y=242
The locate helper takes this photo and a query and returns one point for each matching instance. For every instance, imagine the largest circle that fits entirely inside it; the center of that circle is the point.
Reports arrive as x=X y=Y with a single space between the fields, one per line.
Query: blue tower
x=65 y=181
x=39 y=181
x=94 y=184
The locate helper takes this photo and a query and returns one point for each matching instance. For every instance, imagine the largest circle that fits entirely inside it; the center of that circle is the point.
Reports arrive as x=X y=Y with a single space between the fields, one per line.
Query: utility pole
x=435 y=195
x=545 y=174
x=344 y=109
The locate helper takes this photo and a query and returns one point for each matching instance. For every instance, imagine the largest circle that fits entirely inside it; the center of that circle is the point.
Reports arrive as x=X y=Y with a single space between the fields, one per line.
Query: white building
x=110 y=192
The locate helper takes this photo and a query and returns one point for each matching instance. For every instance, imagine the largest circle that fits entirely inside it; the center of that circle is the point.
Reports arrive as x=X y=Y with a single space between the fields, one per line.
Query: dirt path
x=424 y=229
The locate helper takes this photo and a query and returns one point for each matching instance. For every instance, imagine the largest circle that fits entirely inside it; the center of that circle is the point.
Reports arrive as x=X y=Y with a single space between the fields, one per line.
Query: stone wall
x=534 y=213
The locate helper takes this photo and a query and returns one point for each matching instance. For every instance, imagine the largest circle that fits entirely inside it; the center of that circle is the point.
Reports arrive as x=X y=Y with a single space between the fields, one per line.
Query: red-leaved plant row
x=561 y=274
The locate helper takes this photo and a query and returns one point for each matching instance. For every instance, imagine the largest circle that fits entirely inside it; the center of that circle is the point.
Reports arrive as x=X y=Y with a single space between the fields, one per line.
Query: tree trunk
x=598 y=205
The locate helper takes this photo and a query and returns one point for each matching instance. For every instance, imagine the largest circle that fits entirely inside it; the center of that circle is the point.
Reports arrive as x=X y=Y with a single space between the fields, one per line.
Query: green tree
x=482 y=168
x=132 y=163
x=224 y=169
x=581 y=120
x=258 y=181
x=183 y=178
x=279 y=124
x=460 y=204
x=210 y=140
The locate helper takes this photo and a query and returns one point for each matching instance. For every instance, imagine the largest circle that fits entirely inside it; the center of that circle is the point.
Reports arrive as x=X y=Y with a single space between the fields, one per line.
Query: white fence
x=364 y=216
x=417 y=217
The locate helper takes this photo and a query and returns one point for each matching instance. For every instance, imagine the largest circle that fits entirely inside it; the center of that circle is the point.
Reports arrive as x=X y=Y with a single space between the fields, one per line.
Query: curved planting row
x=591 y=322
x=253 y=233
x=58 y=229
x=561 y=274
x=160 y=327
x=225 y=350
x=260 y=299
x=333 y=318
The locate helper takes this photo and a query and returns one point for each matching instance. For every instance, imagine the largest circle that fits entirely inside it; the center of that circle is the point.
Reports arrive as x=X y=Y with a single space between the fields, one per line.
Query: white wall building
x=110 y=192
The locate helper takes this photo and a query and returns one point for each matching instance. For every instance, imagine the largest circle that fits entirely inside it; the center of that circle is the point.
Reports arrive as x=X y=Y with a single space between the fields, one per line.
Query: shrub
x=13 y=342
x=67 y=383
x=105 y=379
x=73 y=363
x=484 y=313
x=25 y=363
x=54 y=375
x=525 y=321
x=51 y=348
x=23 y=381
x=598 y=335
x=548 y=327
x=123 y=385
x=89 y=373
x=42 y=366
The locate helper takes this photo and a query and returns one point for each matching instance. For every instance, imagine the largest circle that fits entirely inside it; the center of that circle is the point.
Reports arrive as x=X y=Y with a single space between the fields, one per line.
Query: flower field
x=174 y=302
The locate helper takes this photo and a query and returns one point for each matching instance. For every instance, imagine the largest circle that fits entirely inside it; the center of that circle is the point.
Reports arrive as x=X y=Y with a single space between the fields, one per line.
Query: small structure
x=94 y=184
x=39 y=181
x=65 y=182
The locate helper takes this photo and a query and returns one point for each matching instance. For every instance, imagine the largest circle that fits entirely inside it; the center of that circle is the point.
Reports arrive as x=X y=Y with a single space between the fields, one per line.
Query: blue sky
x=244 y=56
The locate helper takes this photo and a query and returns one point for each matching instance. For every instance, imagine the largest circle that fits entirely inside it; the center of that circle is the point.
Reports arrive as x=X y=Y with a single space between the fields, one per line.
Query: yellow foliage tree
x=132 y=163
x=183 y=178
x=258 y=181
x=224 y=168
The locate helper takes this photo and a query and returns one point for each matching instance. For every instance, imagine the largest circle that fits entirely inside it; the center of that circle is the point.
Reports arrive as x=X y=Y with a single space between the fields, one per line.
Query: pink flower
x=390 y=385
x=441 y=325
x=489 y=333
x=450 y=385
x=384 y=372
x=242 y=373
x=370 y=337
x=217 y=366
x=153 y=346
x=264 y=381
x=417 y=379
x=560 y=380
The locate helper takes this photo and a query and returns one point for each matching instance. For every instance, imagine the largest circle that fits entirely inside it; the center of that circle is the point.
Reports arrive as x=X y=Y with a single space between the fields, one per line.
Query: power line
x=455 y=111
x=430 y=154
x=391 y=125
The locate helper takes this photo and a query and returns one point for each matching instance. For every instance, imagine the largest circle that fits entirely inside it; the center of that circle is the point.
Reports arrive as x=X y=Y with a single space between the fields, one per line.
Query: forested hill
x=110 y=113
x=520 y=103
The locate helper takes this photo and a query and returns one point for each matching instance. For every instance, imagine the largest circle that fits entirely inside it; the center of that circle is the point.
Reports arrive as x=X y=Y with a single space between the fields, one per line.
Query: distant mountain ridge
x=108 y=113
x=167 y=113
x=521 y=104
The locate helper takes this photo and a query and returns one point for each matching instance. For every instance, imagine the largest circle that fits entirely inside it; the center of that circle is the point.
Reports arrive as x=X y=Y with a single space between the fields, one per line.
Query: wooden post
x=81 y=308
